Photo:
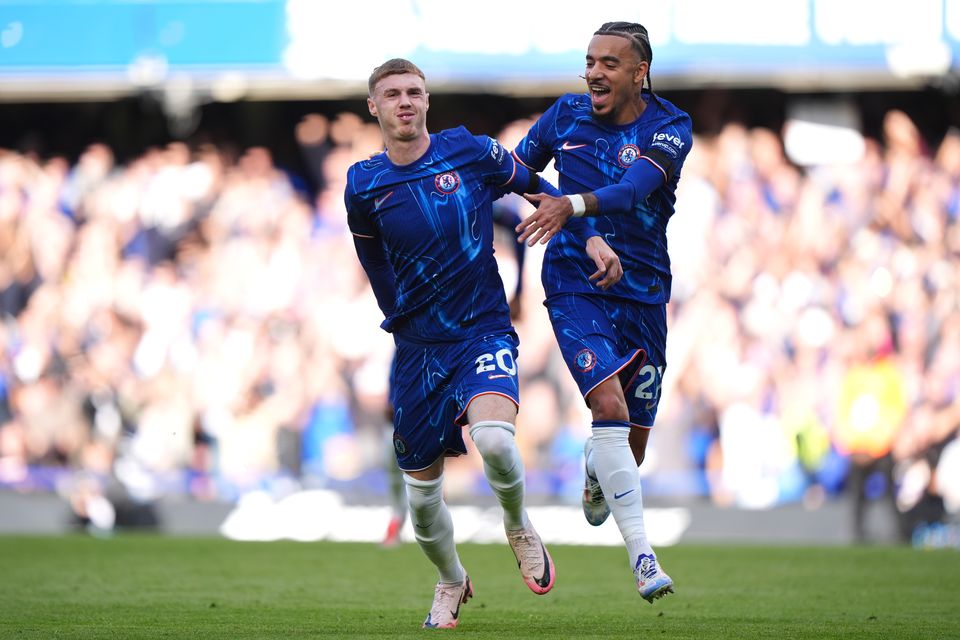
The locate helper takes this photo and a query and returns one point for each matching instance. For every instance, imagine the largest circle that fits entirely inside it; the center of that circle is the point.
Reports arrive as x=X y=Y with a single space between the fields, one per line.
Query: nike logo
x=617 y=496
x=379 y=201
x=570 y=147
x=465 y=595
x=544 y=580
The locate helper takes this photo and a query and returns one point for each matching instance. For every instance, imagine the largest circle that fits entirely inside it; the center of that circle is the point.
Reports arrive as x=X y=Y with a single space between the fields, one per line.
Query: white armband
x=579 y=206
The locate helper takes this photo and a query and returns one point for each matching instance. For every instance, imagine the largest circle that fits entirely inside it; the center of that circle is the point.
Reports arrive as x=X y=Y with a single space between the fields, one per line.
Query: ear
x=426 y=101
x=641 y=72
x=372 y=107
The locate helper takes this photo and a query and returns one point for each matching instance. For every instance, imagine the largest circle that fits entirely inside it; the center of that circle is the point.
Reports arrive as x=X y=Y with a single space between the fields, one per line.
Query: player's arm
x=533 y=153
x=370 y=252
x=609 y=271
x=518 y=178
x=655 y=167
x=554 y=212
x=530 y=185
x=374 y=261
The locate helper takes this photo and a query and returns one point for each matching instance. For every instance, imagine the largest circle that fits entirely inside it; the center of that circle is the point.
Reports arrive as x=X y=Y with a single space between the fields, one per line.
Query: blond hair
x=395 y=66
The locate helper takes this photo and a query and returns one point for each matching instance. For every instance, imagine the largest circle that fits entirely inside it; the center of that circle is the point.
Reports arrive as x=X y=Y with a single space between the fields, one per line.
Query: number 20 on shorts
x=502 y=360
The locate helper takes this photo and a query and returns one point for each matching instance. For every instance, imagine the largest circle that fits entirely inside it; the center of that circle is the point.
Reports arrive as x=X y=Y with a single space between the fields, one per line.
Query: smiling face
x=614 y=74
x=400 y=102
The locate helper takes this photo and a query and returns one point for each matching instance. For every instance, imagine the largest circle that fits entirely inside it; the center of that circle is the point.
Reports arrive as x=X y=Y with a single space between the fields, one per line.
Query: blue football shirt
x=591 y=154
x=434 y=219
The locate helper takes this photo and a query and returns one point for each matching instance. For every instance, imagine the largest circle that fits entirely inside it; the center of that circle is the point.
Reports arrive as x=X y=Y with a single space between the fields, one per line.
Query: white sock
x=617 y=472
x=591 y=470
x=503 y=467
x=433 y=526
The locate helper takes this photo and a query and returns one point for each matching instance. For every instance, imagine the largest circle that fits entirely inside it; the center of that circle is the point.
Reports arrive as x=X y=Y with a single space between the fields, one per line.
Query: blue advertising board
x=495 y=43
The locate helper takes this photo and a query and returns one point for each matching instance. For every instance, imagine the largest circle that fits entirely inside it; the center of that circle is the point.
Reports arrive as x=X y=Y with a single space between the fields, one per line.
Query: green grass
x=156 y=587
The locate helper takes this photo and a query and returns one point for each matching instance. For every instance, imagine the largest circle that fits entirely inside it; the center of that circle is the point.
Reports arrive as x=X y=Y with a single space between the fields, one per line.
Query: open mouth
x=599 y=94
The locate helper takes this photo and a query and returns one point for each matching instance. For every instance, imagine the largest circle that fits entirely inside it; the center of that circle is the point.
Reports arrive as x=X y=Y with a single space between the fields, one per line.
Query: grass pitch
x=157 y=587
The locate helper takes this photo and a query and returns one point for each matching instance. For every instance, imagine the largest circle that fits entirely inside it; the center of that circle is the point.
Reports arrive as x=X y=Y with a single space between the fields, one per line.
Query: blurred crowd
x=194 y=322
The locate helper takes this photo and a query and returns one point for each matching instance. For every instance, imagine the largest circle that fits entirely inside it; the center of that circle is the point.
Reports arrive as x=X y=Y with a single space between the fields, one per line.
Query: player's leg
x=490 y=384
x=433 y=529
x=624 y=409
x=594 y=504
x=616 y=471
x=492 y=431
x=583 y=327
x=491 y=418
x=424 y=433
x=588 y=333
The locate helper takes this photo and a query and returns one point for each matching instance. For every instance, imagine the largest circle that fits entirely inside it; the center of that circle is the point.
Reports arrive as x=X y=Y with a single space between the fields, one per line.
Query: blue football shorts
x=431 y=387
x=601 y=337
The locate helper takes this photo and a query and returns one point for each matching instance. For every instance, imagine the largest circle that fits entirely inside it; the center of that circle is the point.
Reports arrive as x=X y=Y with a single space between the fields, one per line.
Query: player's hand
x=544 y=223
x=609 y=270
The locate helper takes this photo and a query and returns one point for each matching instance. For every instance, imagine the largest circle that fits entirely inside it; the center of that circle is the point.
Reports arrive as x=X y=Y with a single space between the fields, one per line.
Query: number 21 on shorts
x=648 y=385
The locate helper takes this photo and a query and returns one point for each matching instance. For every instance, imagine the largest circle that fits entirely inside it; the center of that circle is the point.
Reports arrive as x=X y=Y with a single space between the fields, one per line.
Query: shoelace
x=647 y=569
x=596 y=491
x=445 y=592
x=529 y=549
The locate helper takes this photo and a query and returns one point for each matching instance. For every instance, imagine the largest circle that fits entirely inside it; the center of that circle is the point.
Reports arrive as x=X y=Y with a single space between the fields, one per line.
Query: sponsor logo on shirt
x=667 y=142
x=628 y=154
x=497 y=152
x=666 y=137
x=447 y=182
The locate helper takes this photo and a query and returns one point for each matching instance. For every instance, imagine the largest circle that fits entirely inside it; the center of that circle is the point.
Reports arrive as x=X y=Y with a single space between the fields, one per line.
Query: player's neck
x=403 y=152
x=631 y=113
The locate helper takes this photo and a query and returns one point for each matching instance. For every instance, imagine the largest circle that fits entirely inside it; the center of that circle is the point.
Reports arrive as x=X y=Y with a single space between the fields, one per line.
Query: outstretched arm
x=609 y=271
x=554 y=212
x=526 y=182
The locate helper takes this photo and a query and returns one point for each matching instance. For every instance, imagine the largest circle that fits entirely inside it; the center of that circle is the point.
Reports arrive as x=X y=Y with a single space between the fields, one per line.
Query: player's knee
x=423 y=495
x=608 y=405
x=623 y=487
x=495 y=443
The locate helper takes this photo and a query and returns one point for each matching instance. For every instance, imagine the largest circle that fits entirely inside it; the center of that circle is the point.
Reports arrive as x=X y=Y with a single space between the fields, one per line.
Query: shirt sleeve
x=358 y=221
x=535 y=150
x=669 y=146
x=375 y=263
x=497 y=167
x=370 y=251
x=658 y=165
x=637 y=183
